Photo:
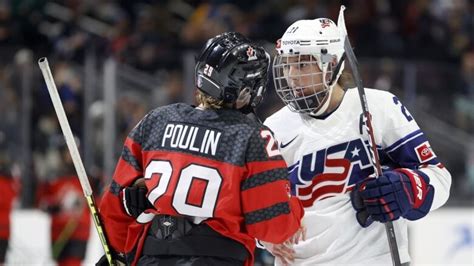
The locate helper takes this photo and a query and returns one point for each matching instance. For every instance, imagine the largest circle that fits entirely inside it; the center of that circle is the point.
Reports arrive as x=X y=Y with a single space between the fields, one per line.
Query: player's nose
x=293 y=71
x=293 y=76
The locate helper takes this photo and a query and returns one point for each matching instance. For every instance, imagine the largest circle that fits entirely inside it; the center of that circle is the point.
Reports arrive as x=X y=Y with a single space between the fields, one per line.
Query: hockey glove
x=135 y=200
x=358 y=204
x=399 y=193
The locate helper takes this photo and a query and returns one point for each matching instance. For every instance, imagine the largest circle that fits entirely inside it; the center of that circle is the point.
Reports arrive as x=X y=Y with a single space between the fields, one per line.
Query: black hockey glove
x=399 y=193
x=135 y=200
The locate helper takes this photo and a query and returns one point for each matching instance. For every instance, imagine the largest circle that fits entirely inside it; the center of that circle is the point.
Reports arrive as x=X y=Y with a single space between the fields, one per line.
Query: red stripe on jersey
x=252 y=198
x=125 y=173
x=262 y=166
x=134 y=147
x=276 y=230
x=320 y=193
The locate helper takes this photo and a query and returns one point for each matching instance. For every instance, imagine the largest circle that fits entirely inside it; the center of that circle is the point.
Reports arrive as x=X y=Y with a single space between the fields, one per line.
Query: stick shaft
x=76 y=158
x=392 y=240
x=66 y=129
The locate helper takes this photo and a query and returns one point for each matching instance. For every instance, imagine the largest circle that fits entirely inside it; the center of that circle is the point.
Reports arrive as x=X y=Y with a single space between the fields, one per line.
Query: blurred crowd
x=150 y=34
x=393 y=37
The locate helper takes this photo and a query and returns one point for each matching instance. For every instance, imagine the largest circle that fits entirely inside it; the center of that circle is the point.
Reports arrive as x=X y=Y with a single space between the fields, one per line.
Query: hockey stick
x=76 y=158
x=64 y=236
x=392 y=240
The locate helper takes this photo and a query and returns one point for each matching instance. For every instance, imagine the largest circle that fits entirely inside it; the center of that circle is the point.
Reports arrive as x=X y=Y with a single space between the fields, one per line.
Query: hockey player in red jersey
x=63 y=199
x=8 y=193
x=197 y=185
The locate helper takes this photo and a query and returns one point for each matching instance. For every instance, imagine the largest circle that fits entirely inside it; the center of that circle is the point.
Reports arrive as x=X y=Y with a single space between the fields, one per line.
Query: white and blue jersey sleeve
x=405 y=145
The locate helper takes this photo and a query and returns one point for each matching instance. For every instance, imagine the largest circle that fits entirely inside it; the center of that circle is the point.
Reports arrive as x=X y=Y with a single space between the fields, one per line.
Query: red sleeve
x=115 y=220
x=7 y=190
x=271 y=214
x=8 y=195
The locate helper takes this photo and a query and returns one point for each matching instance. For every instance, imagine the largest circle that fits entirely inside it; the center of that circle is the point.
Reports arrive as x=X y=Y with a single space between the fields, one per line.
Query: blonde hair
x=208 y=102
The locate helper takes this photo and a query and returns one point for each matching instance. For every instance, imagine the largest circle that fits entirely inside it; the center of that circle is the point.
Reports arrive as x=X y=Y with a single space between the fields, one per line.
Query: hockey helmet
x=308 y=42
x=229 y=63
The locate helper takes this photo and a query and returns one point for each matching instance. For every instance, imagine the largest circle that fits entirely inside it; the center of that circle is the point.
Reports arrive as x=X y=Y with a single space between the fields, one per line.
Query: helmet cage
x=320 y=42
x=301 y=90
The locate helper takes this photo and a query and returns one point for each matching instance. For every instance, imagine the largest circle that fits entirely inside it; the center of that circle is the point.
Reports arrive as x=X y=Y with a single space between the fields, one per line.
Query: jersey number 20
x=190 y=173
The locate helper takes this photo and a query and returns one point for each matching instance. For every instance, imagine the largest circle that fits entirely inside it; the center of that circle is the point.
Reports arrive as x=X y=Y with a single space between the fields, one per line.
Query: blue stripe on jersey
x=402 y=140
x=293 y=167
x=405 y=152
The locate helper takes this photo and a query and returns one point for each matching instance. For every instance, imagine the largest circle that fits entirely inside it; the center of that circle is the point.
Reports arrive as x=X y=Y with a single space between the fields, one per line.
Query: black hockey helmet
x=229 y=63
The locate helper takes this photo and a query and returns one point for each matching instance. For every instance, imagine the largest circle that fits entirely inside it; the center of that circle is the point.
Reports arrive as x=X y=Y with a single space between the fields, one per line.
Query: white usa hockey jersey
x=326 y=157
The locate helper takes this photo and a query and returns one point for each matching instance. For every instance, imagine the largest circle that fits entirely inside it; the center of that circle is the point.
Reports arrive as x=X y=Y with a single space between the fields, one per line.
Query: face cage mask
x=300 y=84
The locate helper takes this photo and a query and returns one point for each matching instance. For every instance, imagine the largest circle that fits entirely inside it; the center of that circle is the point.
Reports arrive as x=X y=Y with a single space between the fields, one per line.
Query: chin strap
x=335 y=73
x=334 y=77
x=322 y=110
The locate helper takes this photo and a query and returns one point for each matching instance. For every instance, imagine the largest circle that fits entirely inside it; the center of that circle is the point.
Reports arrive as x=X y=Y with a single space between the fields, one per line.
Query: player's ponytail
x=207 y=101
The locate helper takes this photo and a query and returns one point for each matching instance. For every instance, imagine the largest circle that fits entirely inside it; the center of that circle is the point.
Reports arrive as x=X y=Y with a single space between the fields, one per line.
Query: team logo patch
x=424 y=152
x=325 y=23
x=251 y=54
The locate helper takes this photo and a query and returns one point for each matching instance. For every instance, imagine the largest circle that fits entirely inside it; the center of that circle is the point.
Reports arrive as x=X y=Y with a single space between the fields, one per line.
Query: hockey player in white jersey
x=322 y=139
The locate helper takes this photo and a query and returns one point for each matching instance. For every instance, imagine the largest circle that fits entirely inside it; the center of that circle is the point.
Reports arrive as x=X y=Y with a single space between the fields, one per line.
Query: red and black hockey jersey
x=8 y=194
x=63 y=198
x=215 y=165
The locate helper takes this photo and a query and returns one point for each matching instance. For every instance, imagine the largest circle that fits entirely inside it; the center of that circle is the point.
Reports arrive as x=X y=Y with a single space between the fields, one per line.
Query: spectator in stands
x=464 y=102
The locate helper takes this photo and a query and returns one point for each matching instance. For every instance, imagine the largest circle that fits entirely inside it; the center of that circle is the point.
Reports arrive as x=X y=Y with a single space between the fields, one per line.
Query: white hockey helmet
x=309 y=42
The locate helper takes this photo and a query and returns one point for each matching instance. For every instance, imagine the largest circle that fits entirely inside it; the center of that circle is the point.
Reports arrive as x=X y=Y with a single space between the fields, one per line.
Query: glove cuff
x=419 y=184
x=422 y=191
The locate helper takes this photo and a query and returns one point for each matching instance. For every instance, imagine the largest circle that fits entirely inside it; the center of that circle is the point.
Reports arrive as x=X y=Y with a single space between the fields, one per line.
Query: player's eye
x=303 y=65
